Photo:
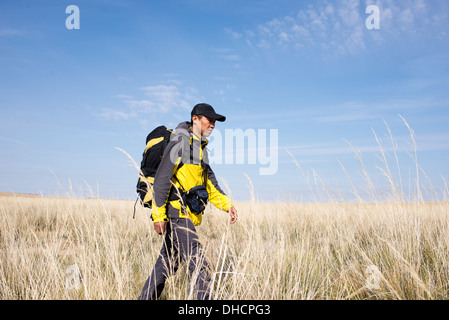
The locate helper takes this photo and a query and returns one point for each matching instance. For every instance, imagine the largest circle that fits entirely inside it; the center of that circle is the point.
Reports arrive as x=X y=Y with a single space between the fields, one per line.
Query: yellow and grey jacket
x=184 y=166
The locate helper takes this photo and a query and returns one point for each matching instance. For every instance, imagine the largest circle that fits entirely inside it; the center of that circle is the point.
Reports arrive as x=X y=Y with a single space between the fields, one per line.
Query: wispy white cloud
x=9 y=32
x=233 y=33
x=231 y=57
x=161 y=98
x=164 y=98
x=377 y=110
x=225 y=88
x=227 y=54
x=328 y=150
x=346 y=117
x=413 y=17
x=123 y=96
x=113 y=114
x=424 y=142
x=327 y=28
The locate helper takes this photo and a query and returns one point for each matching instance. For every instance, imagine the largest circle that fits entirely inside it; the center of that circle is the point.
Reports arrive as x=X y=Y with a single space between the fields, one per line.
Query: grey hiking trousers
x=180 y=244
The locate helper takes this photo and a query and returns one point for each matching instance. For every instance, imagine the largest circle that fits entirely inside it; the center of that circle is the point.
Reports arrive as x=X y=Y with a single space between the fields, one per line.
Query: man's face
x=206 y=124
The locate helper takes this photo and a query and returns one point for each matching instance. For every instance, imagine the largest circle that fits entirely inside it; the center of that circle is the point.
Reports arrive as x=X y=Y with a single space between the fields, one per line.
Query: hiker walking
x=183 y=184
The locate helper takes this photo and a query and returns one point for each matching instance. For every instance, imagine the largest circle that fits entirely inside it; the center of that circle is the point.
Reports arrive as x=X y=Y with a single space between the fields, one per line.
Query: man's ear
x=195 y=119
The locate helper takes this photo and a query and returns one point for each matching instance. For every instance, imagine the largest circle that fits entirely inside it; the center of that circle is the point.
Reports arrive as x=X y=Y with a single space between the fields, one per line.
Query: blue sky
x=311 y=70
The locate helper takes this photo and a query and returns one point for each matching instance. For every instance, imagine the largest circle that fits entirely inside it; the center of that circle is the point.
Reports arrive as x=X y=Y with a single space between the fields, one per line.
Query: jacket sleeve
x=163 y=180
x=216 y=195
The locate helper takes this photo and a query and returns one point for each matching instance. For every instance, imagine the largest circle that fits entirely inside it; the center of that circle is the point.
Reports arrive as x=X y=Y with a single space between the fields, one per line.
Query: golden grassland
x=390 y=250
x=384 y=248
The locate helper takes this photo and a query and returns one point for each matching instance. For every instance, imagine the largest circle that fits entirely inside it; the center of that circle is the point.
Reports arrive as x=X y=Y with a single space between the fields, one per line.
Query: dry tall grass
x=390 y=249
x=276 y=251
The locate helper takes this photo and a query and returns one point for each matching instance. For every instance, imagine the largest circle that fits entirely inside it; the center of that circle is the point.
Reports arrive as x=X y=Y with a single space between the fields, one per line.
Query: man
x=184 y=168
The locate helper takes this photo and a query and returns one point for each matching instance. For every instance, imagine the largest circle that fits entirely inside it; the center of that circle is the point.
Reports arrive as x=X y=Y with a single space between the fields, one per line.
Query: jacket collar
x=184 y=129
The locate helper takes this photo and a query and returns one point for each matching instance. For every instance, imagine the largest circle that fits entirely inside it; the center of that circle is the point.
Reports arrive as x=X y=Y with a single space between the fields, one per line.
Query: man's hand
x=233 y=213
x=160 y=227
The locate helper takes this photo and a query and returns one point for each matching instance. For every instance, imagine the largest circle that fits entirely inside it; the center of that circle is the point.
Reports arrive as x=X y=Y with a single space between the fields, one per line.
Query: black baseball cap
x=206 y=110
